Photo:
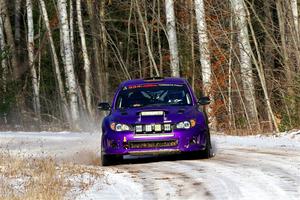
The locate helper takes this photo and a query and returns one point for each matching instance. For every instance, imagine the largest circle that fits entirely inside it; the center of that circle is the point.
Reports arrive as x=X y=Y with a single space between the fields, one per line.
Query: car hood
x=165 y=114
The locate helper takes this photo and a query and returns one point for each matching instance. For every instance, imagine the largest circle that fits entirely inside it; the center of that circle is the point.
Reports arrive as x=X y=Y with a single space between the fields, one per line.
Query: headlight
x=119 y=127
x=186 y=124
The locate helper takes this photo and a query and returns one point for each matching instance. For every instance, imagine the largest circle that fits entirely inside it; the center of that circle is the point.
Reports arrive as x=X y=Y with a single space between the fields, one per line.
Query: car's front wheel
x=207 y=152
x=107 y=160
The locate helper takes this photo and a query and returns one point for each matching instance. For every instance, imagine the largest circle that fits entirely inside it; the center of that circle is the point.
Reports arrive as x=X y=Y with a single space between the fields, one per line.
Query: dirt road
x=243 y=168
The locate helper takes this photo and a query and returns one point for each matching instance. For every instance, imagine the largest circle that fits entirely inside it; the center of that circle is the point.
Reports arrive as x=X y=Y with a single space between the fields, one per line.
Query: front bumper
x=124 y=143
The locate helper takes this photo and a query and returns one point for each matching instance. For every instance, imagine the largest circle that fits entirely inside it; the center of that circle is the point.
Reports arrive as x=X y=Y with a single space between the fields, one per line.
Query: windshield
x=153 y=95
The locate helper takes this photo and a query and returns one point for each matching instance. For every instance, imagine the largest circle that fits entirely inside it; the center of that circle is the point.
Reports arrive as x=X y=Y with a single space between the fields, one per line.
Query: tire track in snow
x=268 y=176
x=283 y=167
x=161 y=181
x=231 y=175
x=215 y=183
x=156 y=180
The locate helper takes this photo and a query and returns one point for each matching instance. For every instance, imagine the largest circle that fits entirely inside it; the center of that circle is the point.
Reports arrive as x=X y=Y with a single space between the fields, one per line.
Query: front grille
x=152 y=144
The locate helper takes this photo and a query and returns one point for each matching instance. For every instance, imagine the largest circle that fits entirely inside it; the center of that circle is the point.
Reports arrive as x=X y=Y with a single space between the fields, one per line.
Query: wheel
x=207 y=152
x=107 y=160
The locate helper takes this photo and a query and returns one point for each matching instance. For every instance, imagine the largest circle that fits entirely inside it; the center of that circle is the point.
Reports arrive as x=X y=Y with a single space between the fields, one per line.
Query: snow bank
x=284 y=140
x=295 y=135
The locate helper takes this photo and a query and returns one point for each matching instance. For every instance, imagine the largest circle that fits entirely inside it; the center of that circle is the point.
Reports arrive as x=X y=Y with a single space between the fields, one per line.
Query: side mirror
x=104 y=106
x=204 y=101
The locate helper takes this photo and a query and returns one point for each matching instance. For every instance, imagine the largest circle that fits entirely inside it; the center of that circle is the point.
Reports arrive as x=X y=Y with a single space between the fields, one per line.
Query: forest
x=60 y=58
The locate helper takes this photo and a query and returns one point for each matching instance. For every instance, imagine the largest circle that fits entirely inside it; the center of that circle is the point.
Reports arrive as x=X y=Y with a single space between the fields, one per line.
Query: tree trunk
x=192 y=29
x=142 y=50
x=285 y=56
x=139 y=49
x=87 y=65
x=104 y=71
x=203 y=46
x=33 y=72
x=146 y=32
x=128 y=32
x=69 y=65
x=245 y=59
x=261 y=75
x=96 y=57
x=10 y=39
x=18 y=4
x=172 y=37
x=294 y=6
x=293 y=40
x=269 y=49
x=4 y=66
x=71 y=25
x=159 y=40
x=61 y=90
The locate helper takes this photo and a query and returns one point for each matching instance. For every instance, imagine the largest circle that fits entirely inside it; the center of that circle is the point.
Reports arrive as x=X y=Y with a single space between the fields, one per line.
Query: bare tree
x=146 y=32
x=3 y=63
x=280 y=6
x=245 y=60
x=172 y=37
x=96 y=67
x=69 y=65
x=203 y=46
x=87 y=65
x=295 y=14
x=261 y=75
x=18 y=6
x=10 y=38
x=71 y=26
x=64 y=103
x=104 y=53
x=33 y=71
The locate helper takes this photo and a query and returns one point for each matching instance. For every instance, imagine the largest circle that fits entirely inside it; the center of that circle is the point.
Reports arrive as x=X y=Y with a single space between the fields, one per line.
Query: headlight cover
x=119 y=127
x=186 y=124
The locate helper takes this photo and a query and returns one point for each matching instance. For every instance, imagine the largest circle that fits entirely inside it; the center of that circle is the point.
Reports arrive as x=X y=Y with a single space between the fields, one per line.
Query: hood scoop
x=152 y=113
x=153 y=116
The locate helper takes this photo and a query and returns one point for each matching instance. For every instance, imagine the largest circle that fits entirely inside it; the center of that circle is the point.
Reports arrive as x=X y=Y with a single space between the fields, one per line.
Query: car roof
x=168 y=80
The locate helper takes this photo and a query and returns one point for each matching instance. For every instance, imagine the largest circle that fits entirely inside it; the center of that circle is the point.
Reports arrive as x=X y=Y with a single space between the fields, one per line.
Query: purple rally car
x=154 y=116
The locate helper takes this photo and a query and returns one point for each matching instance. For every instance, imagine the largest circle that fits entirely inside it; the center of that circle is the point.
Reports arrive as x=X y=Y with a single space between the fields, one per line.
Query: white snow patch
x=113 y=185
x=281 y=141
x=295 y=135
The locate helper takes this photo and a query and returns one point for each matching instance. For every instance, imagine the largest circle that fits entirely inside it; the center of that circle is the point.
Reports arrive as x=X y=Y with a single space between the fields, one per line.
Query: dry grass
x=87 y=157
x=29 y=178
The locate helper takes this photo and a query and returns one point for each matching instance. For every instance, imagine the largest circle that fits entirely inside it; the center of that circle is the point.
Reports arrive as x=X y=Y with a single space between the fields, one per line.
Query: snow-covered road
x=243 y=168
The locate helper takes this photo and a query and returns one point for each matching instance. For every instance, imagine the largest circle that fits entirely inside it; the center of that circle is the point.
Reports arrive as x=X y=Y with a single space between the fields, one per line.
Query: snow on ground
x=284 y=141
x=64 y=146
x=295 y=135
x=249 y=167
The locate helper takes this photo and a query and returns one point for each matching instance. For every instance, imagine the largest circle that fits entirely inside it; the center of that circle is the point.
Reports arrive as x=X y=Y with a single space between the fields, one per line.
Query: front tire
x=107 y=160
x=207 y=152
